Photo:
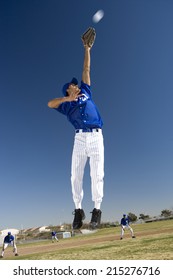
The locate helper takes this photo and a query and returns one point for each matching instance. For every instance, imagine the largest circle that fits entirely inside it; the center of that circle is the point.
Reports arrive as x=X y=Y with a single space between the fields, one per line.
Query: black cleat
x=133 y=236
x=96 y=218
x=79 y=216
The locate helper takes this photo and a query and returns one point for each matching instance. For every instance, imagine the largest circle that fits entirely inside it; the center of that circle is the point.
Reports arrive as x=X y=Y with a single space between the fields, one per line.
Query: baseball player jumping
x=9 y=241
x=80 y=109
x=125 y=225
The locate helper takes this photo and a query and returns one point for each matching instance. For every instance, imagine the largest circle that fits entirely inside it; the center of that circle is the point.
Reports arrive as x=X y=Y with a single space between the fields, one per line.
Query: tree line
x=165 y=213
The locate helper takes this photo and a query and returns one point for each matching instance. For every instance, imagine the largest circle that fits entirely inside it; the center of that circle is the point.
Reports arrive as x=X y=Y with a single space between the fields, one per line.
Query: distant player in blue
x=9 y=241
x=125 y=225
x=54 y=237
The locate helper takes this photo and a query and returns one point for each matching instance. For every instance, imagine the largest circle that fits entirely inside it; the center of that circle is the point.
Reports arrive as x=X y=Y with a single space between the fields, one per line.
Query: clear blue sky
x=132 y=84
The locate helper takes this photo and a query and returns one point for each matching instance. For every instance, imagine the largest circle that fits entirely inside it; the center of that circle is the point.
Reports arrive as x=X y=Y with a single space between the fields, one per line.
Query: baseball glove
x=88 y=37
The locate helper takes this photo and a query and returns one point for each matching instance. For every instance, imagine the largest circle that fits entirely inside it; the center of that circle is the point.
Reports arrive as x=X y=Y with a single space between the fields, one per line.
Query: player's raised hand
x=73 y=96
x=88 y=37
x=73 y=92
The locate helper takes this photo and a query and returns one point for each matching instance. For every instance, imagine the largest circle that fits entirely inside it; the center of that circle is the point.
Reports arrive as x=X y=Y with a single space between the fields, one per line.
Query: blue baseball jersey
x=82 y=113
x=125 y=221
x=8 y=239
x=53 y=233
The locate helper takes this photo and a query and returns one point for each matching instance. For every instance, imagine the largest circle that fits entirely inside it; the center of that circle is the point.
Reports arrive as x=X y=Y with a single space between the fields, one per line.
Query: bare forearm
x=54 y=103
x=73 y=96
x=86 y=66
x=87 y=58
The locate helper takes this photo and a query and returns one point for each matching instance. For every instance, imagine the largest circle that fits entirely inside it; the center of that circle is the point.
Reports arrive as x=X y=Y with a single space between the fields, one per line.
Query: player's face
x=73 y=89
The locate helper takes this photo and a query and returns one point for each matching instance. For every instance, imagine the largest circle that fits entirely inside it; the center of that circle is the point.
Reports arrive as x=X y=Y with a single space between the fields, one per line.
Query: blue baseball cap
x=124 y=214
x=9 y=233
x=65 y=87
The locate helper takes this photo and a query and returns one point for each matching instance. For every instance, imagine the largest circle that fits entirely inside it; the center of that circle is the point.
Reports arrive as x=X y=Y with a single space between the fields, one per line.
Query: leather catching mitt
x=88 y=37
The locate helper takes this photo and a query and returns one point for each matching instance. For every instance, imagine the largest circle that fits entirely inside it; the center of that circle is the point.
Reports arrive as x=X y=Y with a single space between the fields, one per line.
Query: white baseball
x=98 y=16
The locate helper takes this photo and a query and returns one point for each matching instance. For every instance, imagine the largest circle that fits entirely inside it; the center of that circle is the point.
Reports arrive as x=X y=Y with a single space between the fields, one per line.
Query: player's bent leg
x=122 y=232
x=5 y=245
x=79 y=159
x=97 y=175
x=2 y=253
x=15 y=250
x=96 y=154
x=132 y=233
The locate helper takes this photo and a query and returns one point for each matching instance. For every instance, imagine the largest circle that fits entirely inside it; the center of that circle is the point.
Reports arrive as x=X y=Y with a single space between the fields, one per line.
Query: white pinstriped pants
x=126 y=227
x=88 y=145
x=5 y=245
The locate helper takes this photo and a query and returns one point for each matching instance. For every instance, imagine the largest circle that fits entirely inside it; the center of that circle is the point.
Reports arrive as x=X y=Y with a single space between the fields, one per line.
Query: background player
x=9 y=240
x=77 y=104
x=54 y=236
x=125 y=225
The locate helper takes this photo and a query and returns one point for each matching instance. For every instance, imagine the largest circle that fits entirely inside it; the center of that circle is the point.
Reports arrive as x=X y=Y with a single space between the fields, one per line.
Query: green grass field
x=154 y=241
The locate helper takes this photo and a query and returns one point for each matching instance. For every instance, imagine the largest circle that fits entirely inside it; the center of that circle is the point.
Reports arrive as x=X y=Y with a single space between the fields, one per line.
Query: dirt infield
x=73 y=243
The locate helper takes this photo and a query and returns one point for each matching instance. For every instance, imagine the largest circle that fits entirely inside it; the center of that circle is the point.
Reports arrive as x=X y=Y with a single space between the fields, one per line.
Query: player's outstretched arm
x=56 y=102
x=86 y=66
x=88 y=39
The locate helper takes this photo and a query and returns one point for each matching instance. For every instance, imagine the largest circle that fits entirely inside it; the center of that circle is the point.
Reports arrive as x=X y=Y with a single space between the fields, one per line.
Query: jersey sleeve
x=86 y=88
x=63 y=108
x=12 y=239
